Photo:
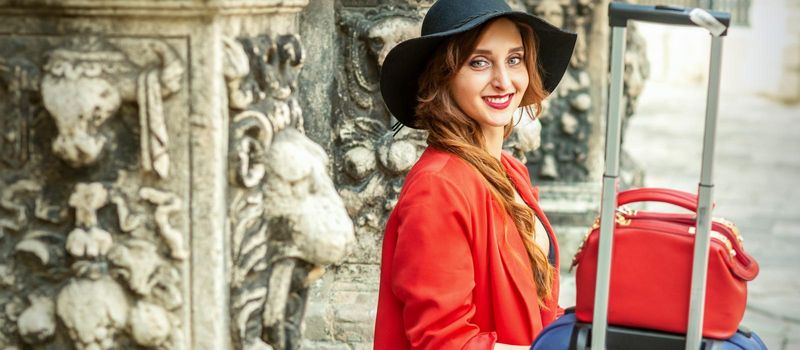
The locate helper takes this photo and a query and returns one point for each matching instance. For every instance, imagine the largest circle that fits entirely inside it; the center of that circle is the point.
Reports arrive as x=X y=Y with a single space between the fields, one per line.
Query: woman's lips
x=499 y=101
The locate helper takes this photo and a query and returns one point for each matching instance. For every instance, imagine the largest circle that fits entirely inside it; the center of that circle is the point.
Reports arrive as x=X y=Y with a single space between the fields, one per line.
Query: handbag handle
x=746 y=269
x=682 y=199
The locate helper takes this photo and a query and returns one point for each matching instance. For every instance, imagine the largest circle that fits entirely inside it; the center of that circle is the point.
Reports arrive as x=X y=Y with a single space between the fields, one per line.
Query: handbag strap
x=682 y=199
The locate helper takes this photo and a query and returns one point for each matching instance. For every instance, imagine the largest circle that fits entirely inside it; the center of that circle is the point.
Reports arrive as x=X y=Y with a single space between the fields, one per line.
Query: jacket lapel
x=518 y=267
x=526 y=191
x=518 y=270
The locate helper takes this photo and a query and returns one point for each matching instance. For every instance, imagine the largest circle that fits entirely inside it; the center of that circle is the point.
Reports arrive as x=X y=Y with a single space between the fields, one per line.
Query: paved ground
x=756 y=174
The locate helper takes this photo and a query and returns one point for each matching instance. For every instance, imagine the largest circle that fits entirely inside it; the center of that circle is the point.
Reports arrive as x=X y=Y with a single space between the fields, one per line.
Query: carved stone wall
x=94 y=218
x=157 y=189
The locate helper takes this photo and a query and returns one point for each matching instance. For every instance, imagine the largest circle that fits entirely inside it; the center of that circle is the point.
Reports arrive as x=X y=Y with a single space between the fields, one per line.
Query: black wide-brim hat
x=405 y=62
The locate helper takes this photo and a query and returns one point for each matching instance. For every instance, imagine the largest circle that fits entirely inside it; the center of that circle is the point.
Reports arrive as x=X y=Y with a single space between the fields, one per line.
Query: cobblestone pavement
x=757 y=166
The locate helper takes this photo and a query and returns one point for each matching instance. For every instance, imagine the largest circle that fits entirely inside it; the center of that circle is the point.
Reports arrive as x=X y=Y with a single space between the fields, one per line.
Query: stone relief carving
x=564 y=121
x=526 y=136
x=371 y=160
x=19 y=79
x=167 y=203
x=92 y=248
x=375 y=3
x=112 y=286
x=286 y=219
x=8 y=197
x=84 y=84
x=371 y=34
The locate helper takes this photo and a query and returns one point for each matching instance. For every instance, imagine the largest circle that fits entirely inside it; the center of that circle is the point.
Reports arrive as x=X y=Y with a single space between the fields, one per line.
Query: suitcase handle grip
x=715 y=21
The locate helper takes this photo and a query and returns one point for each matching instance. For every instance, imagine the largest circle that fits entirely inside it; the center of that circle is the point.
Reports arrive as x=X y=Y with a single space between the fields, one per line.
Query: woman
x=469 y=260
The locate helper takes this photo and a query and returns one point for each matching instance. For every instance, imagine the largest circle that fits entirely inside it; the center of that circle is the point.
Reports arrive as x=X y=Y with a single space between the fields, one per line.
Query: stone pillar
x=157 y=189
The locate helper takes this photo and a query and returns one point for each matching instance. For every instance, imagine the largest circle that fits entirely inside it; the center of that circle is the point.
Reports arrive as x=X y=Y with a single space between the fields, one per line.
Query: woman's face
x=490 y=85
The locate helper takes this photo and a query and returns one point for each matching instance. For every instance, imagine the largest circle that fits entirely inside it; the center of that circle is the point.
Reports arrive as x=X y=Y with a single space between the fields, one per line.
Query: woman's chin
x=499 y=120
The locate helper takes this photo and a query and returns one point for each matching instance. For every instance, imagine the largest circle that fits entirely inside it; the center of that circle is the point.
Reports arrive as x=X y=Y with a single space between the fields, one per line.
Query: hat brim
x=407 y=61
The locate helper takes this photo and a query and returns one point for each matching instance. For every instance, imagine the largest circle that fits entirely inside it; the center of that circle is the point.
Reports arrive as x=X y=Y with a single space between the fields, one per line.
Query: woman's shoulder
x=442 y=166
x=437 y=171
x=514 y=164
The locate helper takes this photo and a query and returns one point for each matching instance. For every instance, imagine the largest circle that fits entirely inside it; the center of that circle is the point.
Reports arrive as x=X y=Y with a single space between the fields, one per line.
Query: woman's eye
x=514 y=61
x=479 y=64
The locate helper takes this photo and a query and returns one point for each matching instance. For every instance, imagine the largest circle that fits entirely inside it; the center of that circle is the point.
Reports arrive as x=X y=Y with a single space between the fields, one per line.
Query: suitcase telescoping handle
x=717 y=24
x=620 y=13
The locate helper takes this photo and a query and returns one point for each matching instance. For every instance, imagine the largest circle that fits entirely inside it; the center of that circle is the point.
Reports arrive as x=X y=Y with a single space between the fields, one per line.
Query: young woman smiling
x=469 y=259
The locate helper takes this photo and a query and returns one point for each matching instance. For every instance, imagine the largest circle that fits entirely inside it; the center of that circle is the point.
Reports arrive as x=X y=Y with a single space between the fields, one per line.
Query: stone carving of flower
x=398 y=152
x=87 y=239
x=149 y=324
x=86 y=200
x=90 y=243
x=38 y=322
x=93 y=311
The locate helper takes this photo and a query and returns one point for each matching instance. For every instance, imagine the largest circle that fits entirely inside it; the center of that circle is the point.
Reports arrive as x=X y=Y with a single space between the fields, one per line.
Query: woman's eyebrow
x=489 y=52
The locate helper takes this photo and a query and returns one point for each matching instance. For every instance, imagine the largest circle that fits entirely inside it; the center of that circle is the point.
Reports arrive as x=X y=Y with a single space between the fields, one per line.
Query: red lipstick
x=498 y=101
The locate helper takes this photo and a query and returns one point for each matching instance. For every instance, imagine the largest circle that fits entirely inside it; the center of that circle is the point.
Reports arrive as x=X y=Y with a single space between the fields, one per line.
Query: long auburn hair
x=451 y=130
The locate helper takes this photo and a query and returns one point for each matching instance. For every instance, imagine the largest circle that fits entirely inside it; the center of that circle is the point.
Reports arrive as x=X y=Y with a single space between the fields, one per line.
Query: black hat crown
x=446 y=15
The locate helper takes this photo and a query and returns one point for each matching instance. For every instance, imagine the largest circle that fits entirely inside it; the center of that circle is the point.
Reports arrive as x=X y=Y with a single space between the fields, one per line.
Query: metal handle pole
x=609 y=197
x=705 y=199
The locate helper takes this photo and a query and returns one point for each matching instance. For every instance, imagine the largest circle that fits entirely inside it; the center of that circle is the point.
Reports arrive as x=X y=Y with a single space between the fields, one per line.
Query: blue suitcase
x=566 y=334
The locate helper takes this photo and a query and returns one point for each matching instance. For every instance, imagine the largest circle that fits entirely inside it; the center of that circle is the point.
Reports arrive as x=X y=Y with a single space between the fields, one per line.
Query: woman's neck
x=493 y=136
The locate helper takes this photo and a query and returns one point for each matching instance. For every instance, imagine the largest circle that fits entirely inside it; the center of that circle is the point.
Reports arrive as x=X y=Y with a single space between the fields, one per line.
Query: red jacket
x=448 y=279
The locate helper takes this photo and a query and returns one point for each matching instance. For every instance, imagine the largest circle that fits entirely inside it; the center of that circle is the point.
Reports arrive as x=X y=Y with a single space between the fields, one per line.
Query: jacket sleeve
x=433 y=272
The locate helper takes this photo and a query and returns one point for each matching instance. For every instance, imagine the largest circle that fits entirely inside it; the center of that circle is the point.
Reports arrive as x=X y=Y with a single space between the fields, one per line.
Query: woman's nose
x=501 y=79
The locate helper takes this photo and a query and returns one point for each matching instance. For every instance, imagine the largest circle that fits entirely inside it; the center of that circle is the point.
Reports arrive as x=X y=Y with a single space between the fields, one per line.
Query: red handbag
x=651 y=268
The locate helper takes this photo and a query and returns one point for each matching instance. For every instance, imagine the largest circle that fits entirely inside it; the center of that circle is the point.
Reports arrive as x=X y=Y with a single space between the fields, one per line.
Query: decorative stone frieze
x=286 y=218
x=371 y=160
x=157 y=190
x=84 y=84
x=89 y=138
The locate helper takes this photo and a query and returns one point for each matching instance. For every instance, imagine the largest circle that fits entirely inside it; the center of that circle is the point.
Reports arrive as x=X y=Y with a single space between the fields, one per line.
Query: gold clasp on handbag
x=732 y=227
x=720 y=237
x=623 y=215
